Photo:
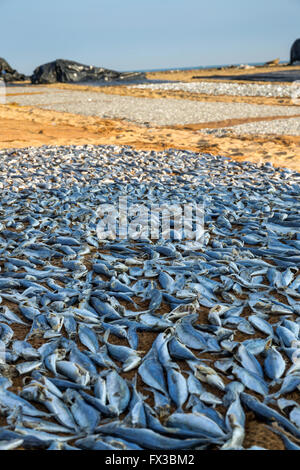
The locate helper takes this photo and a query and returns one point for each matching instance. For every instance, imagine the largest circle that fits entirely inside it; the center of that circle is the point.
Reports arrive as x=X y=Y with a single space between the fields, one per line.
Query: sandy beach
x=254 y=128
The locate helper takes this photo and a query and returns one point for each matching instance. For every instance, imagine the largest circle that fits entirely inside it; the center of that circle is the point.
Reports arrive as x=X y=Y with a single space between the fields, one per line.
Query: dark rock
x=8 y=74
x=67 y=71
x=295 y=52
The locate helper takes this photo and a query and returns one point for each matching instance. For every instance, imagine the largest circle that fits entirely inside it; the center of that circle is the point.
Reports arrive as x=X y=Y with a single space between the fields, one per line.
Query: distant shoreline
x=206 y=67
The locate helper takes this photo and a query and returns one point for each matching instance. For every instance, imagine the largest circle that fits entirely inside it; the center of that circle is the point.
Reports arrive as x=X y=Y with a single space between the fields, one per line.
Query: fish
x=86 y=416
x=249 y=361
x=196 y=423
x=152 y=374
x=274 y=364
x=148 y=439
x=201 y=325
x=251 y=380
x=177 y=387
x=129 y=357
x=263 y=410
x=118 y=391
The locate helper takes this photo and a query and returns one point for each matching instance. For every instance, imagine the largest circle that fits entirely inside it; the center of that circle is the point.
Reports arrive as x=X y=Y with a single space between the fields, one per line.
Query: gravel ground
x=279 y=127
x=156 y=111
x=234 y=89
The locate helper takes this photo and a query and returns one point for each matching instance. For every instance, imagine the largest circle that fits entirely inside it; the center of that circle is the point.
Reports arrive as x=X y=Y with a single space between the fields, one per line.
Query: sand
x=29 y=126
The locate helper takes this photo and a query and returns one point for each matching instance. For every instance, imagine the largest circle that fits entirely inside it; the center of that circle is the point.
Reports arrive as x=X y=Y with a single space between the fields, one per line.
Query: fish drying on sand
x=138 y=342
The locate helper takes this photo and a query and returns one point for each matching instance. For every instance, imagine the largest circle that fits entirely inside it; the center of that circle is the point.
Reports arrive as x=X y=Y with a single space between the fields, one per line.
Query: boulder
x=8 y=74
x=295 y=52
x=67 y=71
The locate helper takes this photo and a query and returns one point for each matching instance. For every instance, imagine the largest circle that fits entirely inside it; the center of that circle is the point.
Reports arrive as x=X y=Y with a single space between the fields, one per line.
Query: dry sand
x=27 y=126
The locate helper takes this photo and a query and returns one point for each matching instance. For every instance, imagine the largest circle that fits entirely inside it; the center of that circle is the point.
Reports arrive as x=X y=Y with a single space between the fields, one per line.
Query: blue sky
x=147 y=34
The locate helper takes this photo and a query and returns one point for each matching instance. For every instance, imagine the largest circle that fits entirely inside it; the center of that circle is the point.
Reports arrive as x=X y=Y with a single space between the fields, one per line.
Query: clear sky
x=147 y=34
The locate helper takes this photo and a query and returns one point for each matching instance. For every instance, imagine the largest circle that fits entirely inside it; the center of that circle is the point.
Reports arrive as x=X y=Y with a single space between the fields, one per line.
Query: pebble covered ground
x=276 y=127
x=150 y=111
x=217 y=88
x=146 y=343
